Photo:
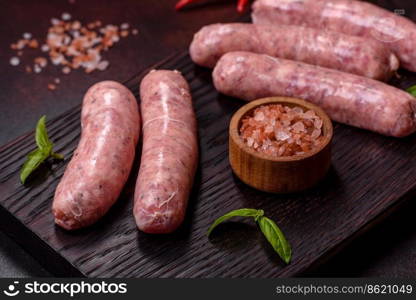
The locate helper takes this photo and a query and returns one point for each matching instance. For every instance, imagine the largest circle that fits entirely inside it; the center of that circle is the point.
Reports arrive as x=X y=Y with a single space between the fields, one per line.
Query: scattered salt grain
x=33 y=43
x=66 y=70
x=41 y=61
x=66 y=16
x=135 y=31
x=51 y=87
x=27 y=36
x=103 y=65
x=37 y=68
x=72 y=45
x=55 y=21
x=14 y=61
x=57 y=80
x=44 y=48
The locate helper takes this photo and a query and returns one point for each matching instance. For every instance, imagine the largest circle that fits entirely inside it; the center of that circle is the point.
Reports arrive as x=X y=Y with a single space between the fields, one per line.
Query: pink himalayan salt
x=279 y=130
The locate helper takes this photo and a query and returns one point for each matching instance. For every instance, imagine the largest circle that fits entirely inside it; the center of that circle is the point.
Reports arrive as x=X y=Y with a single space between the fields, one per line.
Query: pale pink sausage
x=169 y=155
x=347 y=98
x=329 y=49
x=351 y=17
x=101 y=163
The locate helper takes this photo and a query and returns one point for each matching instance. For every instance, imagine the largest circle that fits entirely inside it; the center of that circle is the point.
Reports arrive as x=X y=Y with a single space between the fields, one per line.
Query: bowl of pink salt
x=280 y=144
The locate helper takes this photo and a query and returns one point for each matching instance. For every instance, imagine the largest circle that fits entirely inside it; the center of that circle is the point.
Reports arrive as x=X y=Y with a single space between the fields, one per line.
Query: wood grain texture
x=280 y=175
x=369 y=175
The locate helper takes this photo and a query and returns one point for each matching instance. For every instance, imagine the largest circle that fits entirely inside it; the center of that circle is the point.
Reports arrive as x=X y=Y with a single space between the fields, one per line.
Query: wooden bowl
x=286 y=174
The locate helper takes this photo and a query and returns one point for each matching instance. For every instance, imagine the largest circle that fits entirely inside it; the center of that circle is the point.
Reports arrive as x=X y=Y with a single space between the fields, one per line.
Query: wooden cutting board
x=370 y=176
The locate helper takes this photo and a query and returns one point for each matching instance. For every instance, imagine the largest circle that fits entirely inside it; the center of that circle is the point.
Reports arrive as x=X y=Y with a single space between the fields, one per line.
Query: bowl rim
x=239 y=114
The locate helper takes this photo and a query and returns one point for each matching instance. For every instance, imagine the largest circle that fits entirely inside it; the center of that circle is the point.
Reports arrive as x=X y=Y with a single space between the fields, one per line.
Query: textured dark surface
x=370 y=174
x=387 y=251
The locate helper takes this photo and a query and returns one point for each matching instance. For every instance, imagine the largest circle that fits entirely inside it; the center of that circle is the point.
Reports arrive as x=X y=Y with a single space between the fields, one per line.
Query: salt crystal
x=41 y=61
x=51 y=87
x=286 y=123
x=76 y=25
x=55 y=21
x=316 y=133
x=135 y=31
x=281 y=135
x=37 y=68
x=44 y=48
x=297 y=109
x=57 y=60
x=66 y=70
x=21 y=44
x=66 y=16
x=250 y=141
x=27 y=35
x=268 y=129
x=67 y=40
x=125 y=26
x=310 y=114
x=57 y=80
x=14 y=61
x=298 y=127
x=318 y=123
x=103 y=65
x=259 y=116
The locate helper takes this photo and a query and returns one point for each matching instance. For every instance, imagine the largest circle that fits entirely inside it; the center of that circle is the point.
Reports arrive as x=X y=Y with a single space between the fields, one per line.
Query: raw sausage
x=102 y=161
x=347 y=98
x=329 y=49
x=169 y=155
x=348 y=16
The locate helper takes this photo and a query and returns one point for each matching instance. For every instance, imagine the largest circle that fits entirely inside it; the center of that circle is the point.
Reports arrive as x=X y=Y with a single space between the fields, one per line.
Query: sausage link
x=101 y=163
x=351 y=17
x=329 y=49
x=170 y=152
x=347 y=98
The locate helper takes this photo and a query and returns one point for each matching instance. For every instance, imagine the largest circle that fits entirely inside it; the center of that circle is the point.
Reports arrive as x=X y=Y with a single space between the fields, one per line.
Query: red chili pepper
x=240 y=6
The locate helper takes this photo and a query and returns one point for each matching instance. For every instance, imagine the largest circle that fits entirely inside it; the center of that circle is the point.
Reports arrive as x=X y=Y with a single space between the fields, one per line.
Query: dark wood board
x=370 y=175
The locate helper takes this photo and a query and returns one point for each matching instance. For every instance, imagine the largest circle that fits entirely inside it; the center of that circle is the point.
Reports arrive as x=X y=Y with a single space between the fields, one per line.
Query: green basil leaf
x=276 y=238
x=243 y=212
x=42 y=139
x=34 y=159
x=412 y=90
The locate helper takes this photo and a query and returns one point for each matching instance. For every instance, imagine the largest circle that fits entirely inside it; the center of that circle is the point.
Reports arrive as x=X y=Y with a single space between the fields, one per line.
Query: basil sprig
x=412 y=90
x=38 y=156
x=267 y=226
